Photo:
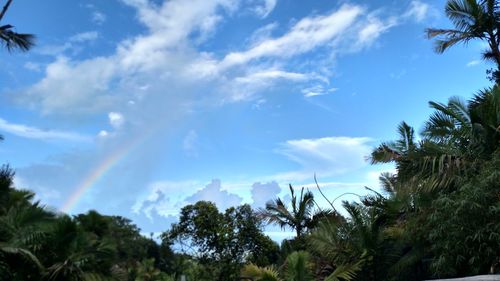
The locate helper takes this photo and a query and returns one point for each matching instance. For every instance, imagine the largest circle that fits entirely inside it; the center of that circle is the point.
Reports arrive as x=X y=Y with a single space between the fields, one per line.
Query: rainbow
x=100 y=170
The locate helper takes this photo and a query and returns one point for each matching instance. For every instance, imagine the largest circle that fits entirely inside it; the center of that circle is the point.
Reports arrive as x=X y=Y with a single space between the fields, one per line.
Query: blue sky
x=220 y=100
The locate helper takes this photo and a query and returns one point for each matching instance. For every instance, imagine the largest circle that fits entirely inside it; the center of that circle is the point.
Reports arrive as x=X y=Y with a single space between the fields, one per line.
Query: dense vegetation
x=437 y=216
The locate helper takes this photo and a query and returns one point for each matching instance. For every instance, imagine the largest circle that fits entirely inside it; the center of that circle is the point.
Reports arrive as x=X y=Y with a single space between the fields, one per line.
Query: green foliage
x=464 y=225
x=298 y=267
x=222 y=242
x=299 y=217
x=260 y=273
x=473 y=20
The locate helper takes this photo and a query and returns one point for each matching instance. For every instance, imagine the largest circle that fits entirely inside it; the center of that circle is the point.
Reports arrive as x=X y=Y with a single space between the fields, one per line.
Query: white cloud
x=73 y=44
x=418 y=10
x=264 y=192
x=72 y=87
x=305 y=35
x=268 y=75
x=213 y=192
x=473 y=63
x=84 y=36
x=98 y=17
x=325 y=156
x=116 y=119
x=317 y=90
x=266 y=8
x=167 y=198
x=103 y=134
x=167 y=56
x=36 y=133
x=373 y=29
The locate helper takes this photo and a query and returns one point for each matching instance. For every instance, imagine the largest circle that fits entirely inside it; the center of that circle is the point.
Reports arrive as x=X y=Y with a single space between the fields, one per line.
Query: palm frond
x=346 y=272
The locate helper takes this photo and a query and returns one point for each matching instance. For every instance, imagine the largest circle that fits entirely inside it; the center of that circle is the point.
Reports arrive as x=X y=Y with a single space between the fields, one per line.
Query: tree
x=473 y=19
x=467 y=217
x=300 y=217
x=220 y=242
x=11 y=39
x=73 y=254
x=22 y=231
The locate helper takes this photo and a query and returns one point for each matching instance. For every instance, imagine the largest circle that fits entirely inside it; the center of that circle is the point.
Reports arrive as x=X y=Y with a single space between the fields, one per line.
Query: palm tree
x=22 y=230
x=473 y=19
x=11 y=39
x=298 y=218
x=73 y=254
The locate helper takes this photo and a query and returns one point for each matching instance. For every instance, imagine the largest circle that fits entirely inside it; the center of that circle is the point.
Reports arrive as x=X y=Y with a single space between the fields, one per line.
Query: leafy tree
x=473 y=19
x=221 y=242
x=464 y=226
x=11 y=39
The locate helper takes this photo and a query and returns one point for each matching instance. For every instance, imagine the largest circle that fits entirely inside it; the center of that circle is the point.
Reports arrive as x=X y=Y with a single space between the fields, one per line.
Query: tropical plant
x=473 y=19
x=11 y=39
x=256 y=273
x=146 y=271
x=73 y=254
x=298 y=267
x=22 y=230
x=300 y=217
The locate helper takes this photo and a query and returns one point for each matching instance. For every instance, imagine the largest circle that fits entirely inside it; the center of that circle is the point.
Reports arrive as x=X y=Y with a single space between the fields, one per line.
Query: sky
x=139 y=107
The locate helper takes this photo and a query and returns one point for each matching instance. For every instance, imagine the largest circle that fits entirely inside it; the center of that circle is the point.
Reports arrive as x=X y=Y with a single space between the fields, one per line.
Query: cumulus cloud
x=167 y=198
x=166 y=55
x=213 y=192
x=264 y=192
x=116 y=119
x=36 y=133
x=72 y=87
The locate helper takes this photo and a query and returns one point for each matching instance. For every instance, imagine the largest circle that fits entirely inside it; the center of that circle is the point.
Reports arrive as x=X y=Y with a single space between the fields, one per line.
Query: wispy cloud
x=325 y=156
x=305 y=35
x=265 y=8
x=419 y=11
x=98 y=17
x=73 y=44
x=473 y=63
x=36 y=133
x=317 y=90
